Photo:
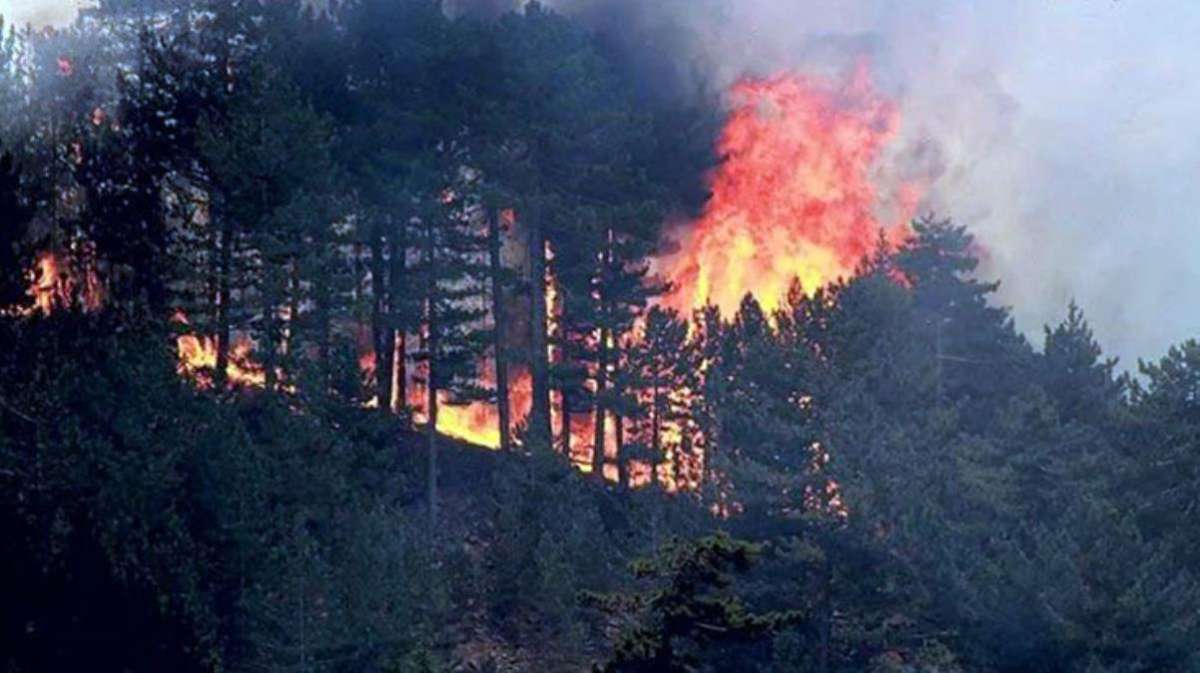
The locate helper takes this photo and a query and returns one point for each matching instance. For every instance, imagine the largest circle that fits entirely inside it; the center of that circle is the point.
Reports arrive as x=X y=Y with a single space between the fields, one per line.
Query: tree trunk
x=289 y=345
x=400 y=394
x=270 y=337
x=622 y=461
x=598 y=456
x=655 y=432
x=431 y=388
x=380 y=328
x=431 y=439
x=565 y=405
x=601 y=411
x=224 y=270
x=397 y=341
x=324 y=339
x=271 y=303
x=711 y=436
x=500 y=358
x=685 y=451
x=539 y=414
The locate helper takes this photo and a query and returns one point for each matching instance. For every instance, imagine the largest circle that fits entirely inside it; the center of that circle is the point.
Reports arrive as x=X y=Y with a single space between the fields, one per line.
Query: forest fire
x=794 y=196
x=599 y=335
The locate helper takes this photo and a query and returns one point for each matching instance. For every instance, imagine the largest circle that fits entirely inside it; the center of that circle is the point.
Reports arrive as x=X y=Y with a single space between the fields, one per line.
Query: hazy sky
x=1072 y=130
x=1067 y=131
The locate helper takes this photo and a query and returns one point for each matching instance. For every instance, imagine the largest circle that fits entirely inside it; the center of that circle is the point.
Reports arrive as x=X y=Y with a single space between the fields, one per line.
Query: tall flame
x=794 y=196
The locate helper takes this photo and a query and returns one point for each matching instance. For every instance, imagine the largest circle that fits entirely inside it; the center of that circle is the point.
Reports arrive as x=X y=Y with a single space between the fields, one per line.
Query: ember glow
x=794 y=196
x=49 y=287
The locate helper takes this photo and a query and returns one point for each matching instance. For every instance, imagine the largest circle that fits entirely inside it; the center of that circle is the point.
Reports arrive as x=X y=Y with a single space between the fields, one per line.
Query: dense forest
x=313 y=318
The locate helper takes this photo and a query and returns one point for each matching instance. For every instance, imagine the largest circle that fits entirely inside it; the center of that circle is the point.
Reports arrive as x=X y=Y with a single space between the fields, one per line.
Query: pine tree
x=500 y=288
x=978 y=355
x=1163 y=441
x=270 y=153
x=621 y=290
x=14 y=220
x=454 y=273
x=563 y=142
x=762 y=400
x=1083 y=385
x=690 y=612
x=401 y=106
x=665 y=368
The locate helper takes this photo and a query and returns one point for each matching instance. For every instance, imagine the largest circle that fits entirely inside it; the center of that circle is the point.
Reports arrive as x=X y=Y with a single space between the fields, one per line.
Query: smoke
x=38 y=12
x=1060 y=132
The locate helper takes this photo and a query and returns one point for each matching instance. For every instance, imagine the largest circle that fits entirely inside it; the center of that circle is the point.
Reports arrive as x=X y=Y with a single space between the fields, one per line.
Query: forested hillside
x=361 y=338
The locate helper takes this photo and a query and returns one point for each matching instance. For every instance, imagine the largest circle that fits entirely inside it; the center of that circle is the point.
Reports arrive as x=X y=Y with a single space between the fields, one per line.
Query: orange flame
x=198 y=359
x=794 y=196
x=54 y=285
x=49 y=287
x=477 y=422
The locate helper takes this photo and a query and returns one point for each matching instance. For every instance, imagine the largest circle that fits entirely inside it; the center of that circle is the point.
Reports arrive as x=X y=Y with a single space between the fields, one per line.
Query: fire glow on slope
x=794 y=196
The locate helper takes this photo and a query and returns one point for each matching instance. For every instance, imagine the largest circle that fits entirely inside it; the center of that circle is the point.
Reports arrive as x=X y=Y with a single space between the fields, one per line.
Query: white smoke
x=39 y=13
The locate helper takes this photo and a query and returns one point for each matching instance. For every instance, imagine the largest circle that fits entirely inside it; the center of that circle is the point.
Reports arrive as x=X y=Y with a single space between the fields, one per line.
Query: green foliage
x=543 y=523
x=677 y=625
x=14 y=220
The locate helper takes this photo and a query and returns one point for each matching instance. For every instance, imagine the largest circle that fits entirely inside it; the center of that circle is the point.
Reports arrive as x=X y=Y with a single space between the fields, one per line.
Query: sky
x=1064 y=133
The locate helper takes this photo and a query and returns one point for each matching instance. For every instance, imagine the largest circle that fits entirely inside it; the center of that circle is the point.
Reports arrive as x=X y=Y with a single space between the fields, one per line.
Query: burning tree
x=270 y=233
x=664 y=377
